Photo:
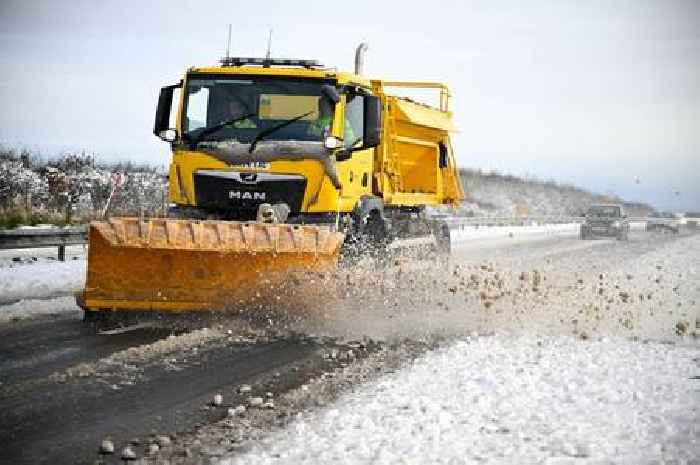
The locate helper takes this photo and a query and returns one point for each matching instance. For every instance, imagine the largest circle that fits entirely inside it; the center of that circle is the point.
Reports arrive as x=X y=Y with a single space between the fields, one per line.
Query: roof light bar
x=266 y=62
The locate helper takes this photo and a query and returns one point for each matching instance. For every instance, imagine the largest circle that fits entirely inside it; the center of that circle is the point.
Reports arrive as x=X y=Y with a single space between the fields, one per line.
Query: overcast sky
x=602 y=94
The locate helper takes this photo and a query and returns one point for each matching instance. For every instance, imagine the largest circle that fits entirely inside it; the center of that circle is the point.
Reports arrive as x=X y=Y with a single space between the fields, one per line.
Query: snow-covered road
x=505 y=400
x=557 y=383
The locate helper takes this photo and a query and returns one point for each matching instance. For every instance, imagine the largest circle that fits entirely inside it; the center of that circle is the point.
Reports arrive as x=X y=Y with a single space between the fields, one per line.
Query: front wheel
x=369 y=240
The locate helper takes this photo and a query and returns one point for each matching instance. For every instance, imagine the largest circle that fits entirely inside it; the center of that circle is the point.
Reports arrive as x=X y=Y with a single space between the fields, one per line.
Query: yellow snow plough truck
x=277 y=165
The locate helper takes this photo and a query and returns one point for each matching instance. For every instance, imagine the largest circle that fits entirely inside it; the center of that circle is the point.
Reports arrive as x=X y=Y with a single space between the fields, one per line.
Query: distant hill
x=494 y=194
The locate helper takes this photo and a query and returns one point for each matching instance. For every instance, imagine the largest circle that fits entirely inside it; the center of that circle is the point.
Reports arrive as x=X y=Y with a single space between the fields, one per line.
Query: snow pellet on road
x=500 y=399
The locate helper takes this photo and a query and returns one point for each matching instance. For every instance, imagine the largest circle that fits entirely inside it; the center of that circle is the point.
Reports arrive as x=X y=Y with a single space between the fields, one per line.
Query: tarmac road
x=52 y=420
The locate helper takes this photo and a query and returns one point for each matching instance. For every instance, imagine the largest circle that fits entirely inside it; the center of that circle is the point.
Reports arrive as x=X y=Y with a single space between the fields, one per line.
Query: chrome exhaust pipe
x=360 y=57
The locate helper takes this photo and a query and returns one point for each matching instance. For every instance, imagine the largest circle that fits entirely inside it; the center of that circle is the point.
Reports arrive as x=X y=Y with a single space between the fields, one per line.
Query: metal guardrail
x=61 y=237
x=30 y=238
x=534 y=220
x=510 y=221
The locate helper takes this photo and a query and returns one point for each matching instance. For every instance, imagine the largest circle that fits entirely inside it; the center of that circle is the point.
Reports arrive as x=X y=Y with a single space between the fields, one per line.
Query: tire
x=376 y=235
x=443 y=242
x=368 y=239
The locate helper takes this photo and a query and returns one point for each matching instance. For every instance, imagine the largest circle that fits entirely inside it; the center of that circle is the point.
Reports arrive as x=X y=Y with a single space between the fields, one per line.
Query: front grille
x=234 y=190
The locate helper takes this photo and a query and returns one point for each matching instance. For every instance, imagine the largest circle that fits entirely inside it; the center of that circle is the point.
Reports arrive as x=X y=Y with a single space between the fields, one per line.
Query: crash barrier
x=30 y=238
x=461 y=222
x=27 y=238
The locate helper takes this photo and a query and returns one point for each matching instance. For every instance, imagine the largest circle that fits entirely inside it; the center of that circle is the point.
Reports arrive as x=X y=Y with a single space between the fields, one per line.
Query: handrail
x=444 y=90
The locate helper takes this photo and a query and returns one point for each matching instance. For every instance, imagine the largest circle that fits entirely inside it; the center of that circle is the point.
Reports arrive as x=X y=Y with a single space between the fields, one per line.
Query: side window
x=442 y=162
x=354 y=120
x=197 y=103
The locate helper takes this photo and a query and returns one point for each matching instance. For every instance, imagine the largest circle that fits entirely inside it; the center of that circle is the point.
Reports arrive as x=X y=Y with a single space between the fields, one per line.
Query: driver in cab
x=236 y=109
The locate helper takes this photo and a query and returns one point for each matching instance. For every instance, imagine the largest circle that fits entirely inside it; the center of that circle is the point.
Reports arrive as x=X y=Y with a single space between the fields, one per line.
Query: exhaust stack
x=360 y=57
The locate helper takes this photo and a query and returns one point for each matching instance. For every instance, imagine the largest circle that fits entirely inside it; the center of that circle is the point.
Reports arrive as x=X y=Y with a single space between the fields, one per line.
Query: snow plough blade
x=170 y=265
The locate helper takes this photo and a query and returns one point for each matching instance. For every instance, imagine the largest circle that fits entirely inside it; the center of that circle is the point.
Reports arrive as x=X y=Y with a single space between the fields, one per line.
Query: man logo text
x=238 y=195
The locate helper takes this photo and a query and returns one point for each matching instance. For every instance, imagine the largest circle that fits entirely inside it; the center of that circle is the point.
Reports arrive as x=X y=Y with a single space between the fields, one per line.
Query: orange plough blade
x=171 y=265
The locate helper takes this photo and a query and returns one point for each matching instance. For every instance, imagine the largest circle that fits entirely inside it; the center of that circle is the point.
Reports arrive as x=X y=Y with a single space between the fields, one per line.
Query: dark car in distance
x=605 y=220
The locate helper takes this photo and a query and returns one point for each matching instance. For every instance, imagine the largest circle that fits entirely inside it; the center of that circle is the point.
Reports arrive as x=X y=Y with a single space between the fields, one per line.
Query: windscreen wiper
x=203 y=132
x=266 y=132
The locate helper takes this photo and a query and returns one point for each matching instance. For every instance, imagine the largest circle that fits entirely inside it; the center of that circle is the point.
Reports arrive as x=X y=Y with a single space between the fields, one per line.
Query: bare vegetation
x=75 y=187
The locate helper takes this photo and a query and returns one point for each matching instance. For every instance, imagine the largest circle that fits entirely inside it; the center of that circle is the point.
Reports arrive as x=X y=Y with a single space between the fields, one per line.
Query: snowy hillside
x=504 y=195
x=76 y=187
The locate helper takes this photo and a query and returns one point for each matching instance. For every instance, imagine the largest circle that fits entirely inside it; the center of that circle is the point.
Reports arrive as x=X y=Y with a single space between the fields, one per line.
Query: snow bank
x=35 y=307
x=468 y=233
x=41 y=279
x=42 y=254
x=510 y=400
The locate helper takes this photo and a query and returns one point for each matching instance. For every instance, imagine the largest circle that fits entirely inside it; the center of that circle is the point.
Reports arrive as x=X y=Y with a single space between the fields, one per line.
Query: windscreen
x=604 y=211
x=257 y=104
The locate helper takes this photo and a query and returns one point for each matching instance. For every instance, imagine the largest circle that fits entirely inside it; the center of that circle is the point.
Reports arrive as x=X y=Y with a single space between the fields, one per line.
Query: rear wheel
x=443 y=242
x=375 y=236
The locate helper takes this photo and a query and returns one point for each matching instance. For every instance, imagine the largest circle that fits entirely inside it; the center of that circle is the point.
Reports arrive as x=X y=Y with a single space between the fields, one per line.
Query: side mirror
x=372 y=135
x=165 y=103
x=169 y=135
x=331 y=93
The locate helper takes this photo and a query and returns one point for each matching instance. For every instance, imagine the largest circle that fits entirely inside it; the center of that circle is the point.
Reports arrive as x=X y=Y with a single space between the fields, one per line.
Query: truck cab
x=246 y=135
x=320 y=142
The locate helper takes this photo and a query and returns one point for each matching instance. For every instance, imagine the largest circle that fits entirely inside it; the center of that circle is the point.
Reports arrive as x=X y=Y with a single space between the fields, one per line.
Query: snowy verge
x=9 y=257
x=35 y=307
x=539 y=231
x=510 y=400
x=41 y=280
x=471 y=233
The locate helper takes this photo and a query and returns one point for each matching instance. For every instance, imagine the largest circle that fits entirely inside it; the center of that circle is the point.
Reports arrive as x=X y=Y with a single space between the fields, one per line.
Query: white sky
x=595 y=93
